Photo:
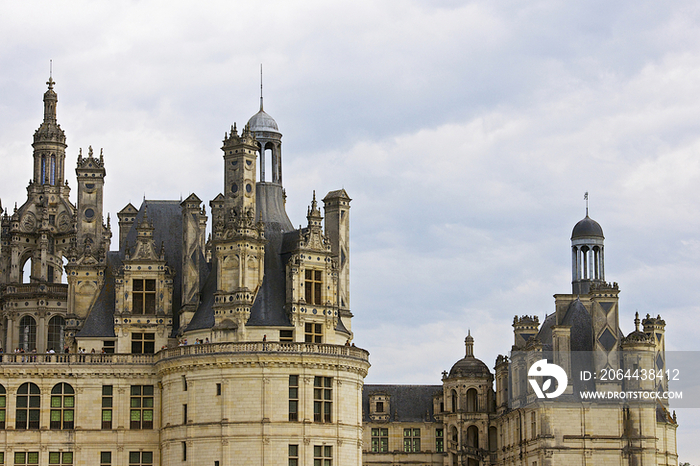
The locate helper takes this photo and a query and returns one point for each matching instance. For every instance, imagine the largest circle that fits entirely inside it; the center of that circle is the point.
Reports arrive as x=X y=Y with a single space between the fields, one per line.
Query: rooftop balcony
x=184 y=351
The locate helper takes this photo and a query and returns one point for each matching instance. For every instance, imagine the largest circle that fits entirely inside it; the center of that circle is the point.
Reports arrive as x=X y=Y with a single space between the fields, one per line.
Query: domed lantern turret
x=587 y=255
x=267 y=133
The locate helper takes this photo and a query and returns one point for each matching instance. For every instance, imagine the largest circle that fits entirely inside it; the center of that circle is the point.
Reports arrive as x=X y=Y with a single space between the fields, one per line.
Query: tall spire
x=261 y=93
x=585 y=198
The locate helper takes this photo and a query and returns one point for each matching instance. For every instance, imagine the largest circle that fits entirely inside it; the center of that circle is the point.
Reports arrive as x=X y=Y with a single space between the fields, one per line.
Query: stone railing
x=185 y=351
x=76 y=358
x=54 y=290
x=263 y=347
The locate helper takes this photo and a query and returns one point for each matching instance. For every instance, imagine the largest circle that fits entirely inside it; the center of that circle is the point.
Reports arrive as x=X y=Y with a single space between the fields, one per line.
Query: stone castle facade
x=174 y=347
x=235 y=348
x=465 y=421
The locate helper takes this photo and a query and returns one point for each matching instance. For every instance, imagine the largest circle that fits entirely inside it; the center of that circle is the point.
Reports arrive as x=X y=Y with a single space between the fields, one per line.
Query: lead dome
x=262 y=121
x=587 y=228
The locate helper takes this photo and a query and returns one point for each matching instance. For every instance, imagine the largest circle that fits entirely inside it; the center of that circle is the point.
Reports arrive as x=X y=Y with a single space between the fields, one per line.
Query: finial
x=585 y=198
x=102 y=159
x=636 y=321
x=50 y=82
x=90 y=152
x=261 y=93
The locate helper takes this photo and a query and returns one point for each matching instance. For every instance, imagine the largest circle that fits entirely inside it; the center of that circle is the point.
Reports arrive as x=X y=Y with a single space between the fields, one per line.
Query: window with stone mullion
x=143 y=296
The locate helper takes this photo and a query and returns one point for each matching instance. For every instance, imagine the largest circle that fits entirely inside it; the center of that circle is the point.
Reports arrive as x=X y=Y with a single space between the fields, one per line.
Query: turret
x=587 y=258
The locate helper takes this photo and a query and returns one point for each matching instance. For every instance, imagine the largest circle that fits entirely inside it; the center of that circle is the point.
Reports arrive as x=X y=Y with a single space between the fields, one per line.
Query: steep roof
x=100 y=320
x=407 y=403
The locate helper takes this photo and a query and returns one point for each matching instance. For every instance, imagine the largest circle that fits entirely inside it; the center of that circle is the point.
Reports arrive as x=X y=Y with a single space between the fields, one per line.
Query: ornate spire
x=469 y=343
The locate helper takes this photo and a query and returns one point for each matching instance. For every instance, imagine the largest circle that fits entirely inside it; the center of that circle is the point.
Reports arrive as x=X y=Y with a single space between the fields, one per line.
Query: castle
x=465 y=421
x=232 y=349
x=236 y=347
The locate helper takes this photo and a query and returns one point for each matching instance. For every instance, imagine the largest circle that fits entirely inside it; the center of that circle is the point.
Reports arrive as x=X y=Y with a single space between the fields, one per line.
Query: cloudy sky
x=466 y=133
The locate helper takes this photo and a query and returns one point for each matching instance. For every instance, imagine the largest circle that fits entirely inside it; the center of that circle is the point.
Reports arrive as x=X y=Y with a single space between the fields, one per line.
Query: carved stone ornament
x=28 y=222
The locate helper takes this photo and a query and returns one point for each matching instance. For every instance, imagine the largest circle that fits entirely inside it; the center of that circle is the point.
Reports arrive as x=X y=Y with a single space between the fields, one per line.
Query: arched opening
x=64 y=274
x=454 y=437
x=454 y=401
x=473 y=437
x=472 y=402
x=27 y=334
x=57 y=326
x=270 y=164
x=52 y=173
x=25 y=270
x=493 y=439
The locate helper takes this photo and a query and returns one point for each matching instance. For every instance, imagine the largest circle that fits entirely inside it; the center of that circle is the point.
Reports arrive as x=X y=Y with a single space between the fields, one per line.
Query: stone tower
x=238 y=241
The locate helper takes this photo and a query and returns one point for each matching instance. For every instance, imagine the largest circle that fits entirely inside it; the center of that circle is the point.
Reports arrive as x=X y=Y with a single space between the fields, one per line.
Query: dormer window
x=379 y=406
x=144 y=296
x=312 y=286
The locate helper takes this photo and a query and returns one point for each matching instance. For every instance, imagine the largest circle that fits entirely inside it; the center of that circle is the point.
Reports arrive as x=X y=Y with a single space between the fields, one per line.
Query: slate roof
x=407 y=403
x=100 y=321
x=166 y=218
x=269 y=305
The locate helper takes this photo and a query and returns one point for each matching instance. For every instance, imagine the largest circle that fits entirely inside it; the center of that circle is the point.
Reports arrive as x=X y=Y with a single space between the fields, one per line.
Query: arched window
x=3 y=404
x=57 y=325
x=472 y=403
x=473 y=437
x=52 y=170
x=62 y=406
x=27 y=334
x=28 y=406
x=454 y=401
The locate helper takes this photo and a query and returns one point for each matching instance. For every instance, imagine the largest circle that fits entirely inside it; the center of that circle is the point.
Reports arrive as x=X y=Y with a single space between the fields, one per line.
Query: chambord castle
x=179 y=348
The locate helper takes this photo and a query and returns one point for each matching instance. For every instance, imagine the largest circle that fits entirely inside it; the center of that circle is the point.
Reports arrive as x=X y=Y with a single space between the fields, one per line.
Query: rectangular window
x=107 y=407
x=313 y=333
x=293 y=455
x=218 y=389
x=380 y=440
x=312 y=286
x=26 y=457
x=61 y=458
x=293 y=397
x=143 y=343
x=323 y=399
x=140 y=458
x=184 y=414
x=108 y=346
x=106 y=458
x=286 y=336
x=439 y=441
x=323 y=455
x=533 y=424
x=184 y=383
x=144 y=296
x=411 y=440
x=380 y=406
x=141 y=411
x=184 y=451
